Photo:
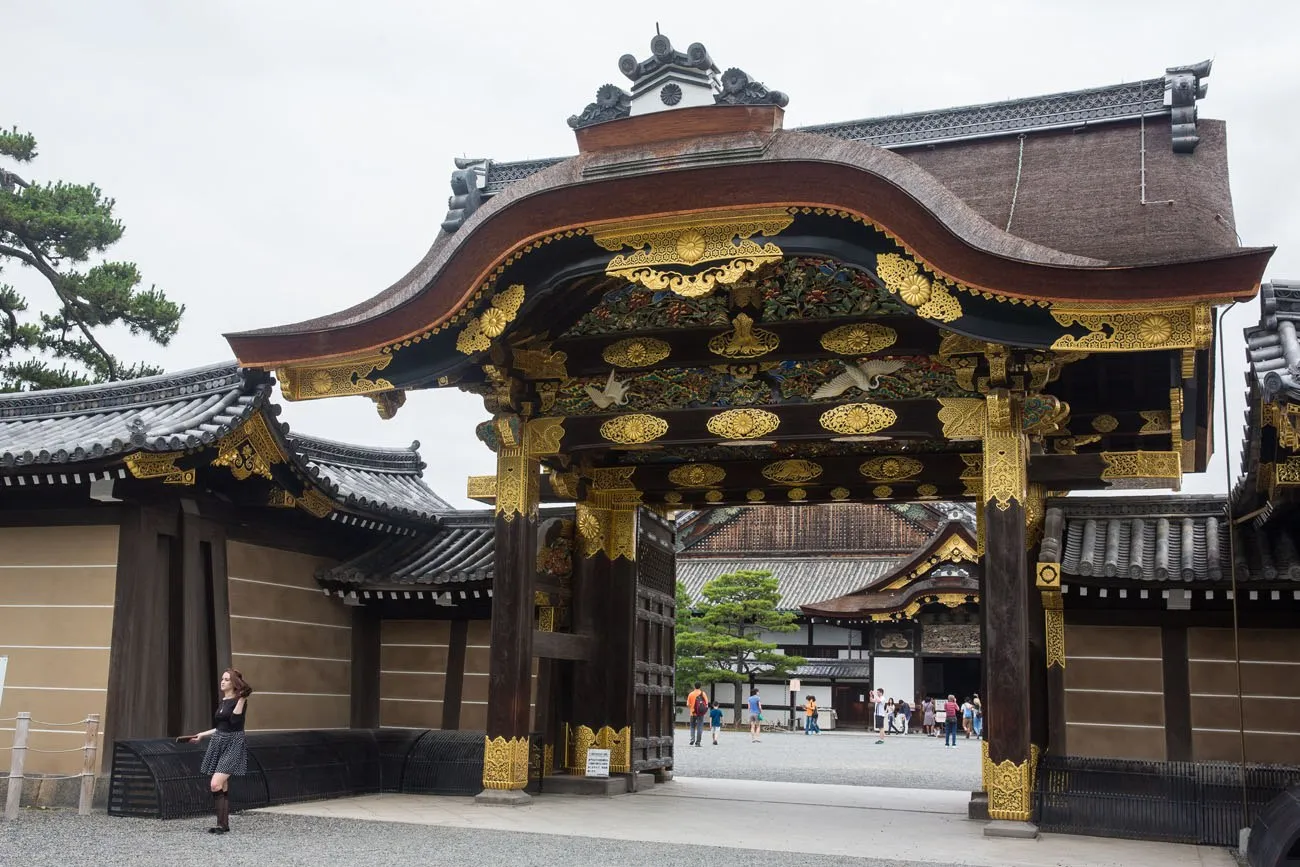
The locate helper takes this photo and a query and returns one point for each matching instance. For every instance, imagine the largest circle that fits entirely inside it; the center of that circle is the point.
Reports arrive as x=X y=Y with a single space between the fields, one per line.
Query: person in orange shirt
x=810 y=711
x=697 y=705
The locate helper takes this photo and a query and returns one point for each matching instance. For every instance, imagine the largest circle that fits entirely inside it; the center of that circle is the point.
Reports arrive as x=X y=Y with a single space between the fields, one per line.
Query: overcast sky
x=276 y=161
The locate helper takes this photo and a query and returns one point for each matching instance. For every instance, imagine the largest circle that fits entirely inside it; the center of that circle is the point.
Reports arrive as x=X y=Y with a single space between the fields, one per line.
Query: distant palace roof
x=1273 y=346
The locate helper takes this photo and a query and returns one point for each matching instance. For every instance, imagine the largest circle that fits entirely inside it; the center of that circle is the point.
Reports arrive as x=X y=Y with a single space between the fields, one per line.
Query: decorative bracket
x=249 y=451
x=160 y=465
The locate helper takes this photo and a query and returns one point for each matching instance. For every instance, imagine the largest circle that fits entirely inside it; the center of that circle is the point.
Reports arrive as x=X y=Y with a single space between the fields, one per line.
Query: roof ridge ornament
x=1184 y=86
x=670 y=79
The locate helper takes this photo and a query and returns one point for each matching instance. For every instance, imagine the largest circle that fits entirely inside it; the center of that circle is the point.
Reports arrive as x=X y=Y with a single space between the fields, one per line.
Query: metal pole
x=23 y=723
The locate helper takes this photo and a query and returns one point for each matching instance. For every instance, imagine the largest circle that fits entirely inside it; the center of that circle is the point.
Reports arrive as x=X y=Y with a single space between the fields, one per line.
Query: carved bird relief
x=865 y=375
x=613 y=394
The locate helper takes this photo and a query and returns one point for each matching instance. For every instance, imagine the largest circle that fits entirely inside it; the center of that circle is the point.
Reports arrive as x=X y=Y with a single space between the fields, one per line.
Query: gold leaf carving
x=481 y=488
x=857 y=419
x=891 y=468
x=713 y=496
x=1286 y=473
x=1005 y=453
x=797 y=495
x=1142 y=469
x=313 y=502
x=931 y=299
x=541 y=363
x=927 y=492
x=672 y=497
x=1131 y=330
x=1154 y=421
x=743 y=340
x=545 y=435
x=505 y=763
x=635 y=428
x=754 y=496
x=882 y=492
x=478 y=333
x=160 y=465
x=840 y=493
x=792 y=472
x=1054 y=627
x=725 y=237
x=1010 y=793
x=249 y=451
x=334 y=378
x=696 y=475
x=962 y=417
x=743 y=424
x=1105 y=423
x=861 y=339
x=1048 y=576
x=636 y=352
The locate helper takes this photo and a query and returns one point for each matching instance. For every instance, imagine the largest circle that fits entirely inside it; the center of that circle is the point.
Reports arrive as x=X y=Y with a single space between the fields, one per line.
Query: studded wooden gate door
x=654 y=644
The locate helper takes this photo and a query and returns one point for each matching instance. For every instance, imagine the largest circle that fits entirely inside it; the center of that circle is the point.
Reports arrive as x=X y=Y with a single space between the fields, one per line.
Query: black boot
x=221 y=801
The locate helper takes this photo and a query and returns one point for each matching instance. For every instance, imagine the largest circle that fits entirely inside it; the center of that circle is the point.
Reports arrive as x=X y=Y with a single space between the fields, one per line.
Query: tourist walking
x=810 y=717
x=715 y=722
x=927 y=717
x=697 y=704
x=227 y=753
x=755 y=716
x=979 y=716
x=967 y=718
x=881 y=724
x=950 y=712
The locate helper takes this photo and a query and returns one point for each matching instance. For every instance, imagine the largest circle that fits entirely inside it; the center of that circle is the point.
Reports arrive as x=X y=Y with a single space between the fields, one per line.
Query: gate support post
x=1008 y=763
x=505 y=752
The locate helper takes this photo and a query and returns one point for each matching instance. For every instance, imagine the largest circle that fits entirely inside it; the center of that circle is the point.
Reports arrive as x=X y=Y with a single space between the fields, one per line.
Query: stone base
x=664 y=775
x=978 y=808
x=1012 y=830
x=49 y=792
x=503 y=798
x=642 y=781
x=564 y=784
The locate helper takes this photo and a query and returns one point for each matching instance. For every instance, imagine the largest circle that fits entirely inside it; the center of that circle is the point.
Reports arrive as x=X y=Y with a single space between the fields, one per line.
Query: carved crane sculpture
x=613 y=394
x=864 y=375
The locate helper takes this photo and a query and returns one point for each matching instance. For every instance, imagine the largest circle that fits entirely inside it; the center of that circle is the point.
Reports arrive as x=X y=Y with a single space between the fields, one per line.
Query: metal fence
x=1178 y=802
x=161 y=778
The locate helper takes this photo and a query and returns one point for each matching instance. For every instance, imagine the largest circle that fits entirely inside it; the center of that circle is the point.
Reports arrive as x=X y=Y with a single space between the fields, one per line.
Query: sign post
x=598 y=763
x=794 y=691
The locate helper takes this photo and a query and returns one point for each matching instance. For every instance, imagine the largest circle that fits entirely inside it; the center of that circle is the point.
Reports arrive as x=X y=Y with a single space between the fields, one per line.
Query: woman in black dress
x=227 y=753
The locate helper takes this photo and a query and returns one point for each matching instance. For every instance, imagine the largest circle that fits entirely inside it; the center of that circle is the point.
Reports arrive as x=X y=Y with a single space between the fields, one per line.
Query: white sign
x=598 y=763
x=4 y=663
x=795 y=685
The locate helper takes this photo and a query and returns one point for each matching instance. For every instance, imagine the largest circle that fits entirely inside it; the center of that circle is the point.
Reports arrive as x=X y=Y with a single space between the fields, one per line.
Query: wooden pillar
x=1037 y=625
x=1054 y=638
x=591 y=582
x=1008 y=765
x=198 y=663
x=366 y=624
x=505 y=758
x=453 y=688
x=1178 y=691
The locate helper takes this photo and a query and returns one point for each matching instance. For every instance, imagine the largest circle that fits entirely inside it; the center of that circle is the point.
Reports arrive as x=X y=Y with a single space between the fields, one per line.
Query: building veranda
x=703 y=310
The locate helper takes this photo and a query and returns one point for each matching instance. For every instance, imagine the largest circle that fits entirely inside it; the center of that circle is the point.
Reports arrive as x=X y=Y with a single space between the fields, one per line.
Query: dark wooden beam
x=454 y=683
x=1177 y=688
x=563 y=645
x=366 y=644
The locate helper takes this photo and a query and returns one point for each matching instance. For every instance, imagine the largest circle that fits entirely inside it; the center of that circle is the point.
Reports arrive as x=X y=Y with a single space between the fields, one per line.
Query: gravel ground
x=843 y=758
x=56 y=838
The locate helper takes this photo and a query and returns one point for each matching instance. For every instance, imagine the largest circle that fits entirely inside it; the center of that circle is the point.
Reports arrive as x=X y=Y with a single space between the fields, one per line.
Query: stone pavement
x=885 y=825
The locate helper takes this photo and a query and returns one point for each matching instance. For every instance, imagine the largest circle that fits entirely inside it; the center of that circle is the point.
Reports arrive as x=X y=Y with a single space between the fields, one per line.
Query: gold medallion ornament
x=647 y=249
x=672 y=497
x=505 y=763
x=696 y=475
x=632 y=429
x=478 y=332
x=743 y=424
x=1048 y=576
x=839 y=493
x=927 y=492
x=713 y=496
x=1105 y=423
x=882 y=492
x=861 y=339
x=857 y=419
x=636 y=352
x=797 y=495
x=792 y=472
x=754 y=496
x=744 y=340
x=891 y=468
x=931 y=299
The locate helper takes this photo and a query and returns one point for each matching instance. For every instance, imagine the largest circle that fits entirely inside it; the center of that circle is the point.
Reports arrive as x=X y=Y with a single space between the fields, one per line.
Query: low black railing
x=161 y=778
x=1177 y=802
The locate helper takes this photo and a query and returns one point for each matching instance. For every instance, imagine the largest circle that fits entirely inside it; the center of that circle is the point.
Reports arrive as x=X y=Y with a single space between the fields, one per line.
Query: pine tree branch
x=36 y=259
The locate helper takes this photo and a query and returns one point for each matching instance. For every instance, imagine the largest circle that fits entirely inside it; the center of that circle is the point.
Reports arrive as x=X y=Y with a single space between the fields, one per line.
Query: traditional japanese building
x=868 y=615
x=702 y=309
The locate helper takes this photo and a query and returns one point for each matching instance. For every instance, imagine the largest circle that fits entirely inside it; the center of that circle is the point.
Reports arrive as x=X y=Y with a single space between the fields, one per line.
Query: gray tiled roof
x=1165 y=539
x=1273 y=346
x=800 y=580
x=171 y=412
x=460 y=551
x=837 y=668
x=376 y=479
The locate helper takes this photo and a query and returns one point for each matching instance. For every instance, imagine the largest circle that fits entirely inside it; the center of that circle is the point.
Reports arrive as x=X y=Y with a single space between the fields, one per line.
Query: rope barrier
x=41 y=722
x=69 y=750
x=8 y=719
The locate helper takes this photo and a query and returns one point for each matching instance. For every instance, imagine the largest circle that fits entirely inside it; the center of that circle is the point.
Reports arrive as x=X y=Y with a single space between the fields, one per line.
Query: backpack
x=701 y=706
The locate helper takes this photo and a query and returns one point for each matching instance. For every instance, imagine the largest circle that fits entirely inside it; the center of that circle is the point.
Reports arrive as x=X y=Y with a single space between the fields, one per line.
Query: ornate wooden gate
x=654 y=644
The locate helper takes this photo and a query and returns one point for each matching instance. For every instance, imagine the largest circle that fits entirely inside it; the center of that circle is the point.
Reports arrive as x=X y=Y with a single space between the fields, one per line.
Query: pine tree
x=55 y=228
x=719 y=640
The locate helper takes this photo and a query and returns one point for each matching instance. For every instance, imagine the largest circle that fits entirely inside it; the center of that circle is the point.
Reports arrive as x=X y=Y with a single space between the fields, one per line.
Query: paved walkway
x=883 y=824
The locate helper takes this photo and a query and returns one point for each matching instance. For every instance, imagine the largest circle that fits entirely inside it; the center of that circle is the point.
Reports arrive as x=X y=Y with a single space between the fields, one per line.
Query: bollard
x=16 y=763
x=88 y=765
